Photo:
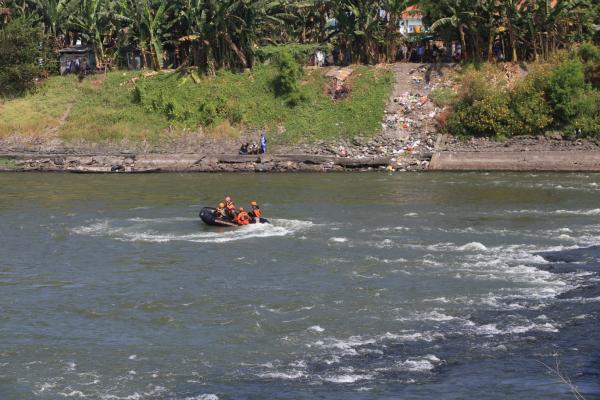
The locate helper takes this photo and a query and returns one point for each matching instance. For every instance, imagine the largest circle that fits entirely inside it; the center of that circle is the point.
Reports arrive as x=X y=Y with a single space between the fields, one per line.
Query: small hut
x=75 y=59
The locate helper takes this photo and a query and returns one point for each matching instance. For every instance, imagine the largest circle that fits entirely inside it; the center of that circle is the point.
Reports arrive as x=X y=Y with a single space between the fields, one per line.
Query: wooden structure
x=70 y=56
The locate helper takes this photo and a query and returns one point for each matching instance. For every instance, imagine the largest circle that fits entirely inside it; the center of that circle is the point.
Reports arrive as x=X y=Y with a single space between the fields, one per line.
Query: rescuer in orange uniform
x=255 y=213
x=230 y=208
x=242 y=217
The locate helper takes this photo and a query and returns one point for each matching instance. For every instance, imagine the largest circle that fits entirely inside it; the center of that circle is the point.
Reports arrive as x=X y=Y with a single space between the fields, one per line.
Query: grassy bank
x=127 y=106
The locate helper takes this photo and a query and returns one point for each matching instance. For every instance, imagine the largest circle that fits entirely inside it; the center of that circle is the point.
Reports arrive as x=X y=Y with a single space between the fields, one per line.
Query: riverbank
x=408 y=140
x=521 y=153
x=142 y=163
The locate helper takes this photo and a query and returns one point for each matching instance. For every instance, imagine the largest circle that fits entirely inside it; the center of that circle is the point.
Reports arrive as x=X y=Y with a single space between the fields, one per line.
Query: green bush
x=566 y=85
x=590 y=55
x=287 y=81
x=22 y=53
x=587 y=120
x=212 y=110
x=486 y=116
x=444 y=97
x=299 y=51
x=588 y=52
x=530 y=112
x=475 y=86
x=553 y=96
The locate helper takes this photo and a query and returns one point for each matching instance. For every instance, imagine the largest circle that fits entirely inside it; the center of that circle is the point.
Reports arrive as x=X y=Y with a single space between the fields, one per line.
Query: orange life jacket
x=256 y=212
x=243 y=218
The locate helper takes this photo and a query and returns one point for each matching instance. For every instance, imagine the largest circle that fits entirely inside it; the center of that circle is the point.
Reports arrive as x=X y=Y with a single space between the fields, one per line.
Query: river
x=365 y=286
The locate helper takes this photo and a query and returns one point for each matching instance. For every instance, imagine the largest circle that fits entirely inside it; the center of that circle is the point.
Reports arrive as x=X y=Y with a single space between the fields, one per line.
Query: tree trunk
x=490 y=55
x=513 y=43
x=240 y=54
x=463 y=42
x=211 y=69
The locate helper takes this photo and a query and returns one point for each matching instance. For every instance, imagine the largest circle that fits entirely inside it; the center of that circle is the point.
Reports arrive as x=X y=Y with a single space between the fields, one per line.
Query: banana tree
x=393 y=15
x=54 y=14
x=93 y=21
x=155 y=18
x=358 y=24
x=461 y=15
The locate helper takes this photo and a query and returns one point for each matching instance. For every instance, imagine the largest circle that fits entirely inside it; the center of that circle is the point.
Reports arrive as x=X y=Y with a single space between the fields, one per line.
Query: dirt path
x=410 y=115
x=52 y=131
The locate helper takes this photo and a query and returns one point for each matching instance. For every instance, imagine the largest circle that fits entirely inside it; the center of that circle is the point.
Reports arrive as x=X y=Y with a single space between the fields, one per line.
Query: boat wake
x=161 y=230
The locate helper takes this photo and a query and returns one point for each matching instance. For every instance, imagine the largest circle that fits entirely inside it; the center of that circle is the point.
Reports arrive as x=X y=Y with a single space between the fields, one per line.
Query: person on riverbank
x=255 y=213
x=403 y=52
x=263 y=143
x=420 y=53
x=242 y=217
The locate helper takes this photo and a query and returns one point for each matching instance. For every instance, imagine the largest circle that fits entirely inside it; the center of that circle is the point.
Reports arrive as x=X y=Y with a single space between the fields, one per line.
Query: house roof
x=412 y=12
x=76 y=49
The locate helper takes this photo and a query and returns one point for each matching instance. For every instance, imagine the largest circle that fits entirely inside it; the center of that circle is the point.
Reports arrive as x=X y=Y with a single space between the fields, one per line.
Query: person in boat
x=221 y=211
x=230 y=208
x=255 y=213
x=242 y=217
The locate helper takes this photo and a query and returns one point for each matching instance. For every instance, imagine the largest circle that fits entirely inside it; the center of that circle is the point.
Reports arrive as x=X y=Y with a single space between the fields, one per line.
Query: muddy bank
x=132 y=163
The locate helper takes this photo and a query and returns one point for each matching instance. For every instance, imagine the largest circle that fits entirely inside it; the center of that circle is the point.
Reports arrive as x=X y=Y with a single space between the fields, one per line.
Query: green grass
x=444 y=97
x=8 y=163
x=104 y=108
x=34 y=114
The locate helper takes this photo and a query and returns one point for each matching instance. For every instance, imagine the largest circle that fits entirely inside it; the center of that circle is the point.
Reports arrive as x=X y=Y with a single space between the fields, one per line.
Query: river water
x=366 y=286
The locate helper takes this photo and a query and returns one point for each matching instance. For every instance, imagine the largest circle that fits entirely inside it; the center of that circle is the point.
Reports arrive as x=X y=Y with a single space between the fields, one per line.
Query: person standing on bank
x=263 y=143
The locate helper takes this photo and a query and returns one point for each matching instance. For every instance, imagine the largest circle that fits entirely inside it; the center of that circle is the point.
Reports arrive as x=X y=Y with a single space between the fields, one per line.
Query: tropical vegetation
x=216 y=45
x=561 y=95
x=214 y=34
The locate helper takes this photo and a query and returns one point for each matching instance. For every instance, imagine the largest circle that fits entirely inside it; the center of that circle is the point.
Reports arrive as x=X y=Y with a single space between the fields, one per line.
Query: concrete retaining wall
x=569 y=160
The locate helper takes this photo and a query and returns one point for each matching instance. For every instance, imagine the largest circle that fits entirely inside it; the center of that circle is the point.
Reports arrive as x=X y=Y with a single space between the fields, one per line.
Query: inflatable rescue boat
x=208 y=216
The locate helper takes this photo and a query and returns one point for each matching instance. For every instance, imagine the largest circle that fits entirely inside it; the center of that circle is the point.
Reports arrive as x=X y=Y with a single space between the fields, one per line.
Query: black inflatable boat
x=207 y=215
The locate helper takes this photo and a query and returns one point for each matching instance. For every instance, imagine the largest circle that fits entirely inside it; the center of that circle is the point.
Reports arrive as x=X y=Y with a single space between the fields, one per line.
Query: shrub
x=587 y=52
x=475 y=86
x=212 y=110
x=22 y=53
x=587 y=120
x=487 y=116
x=590 y=55
x=530 y=113
x=565 y=85
x=234 y=115
x=444 y=97
x=287 y=81
x=299 y=51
